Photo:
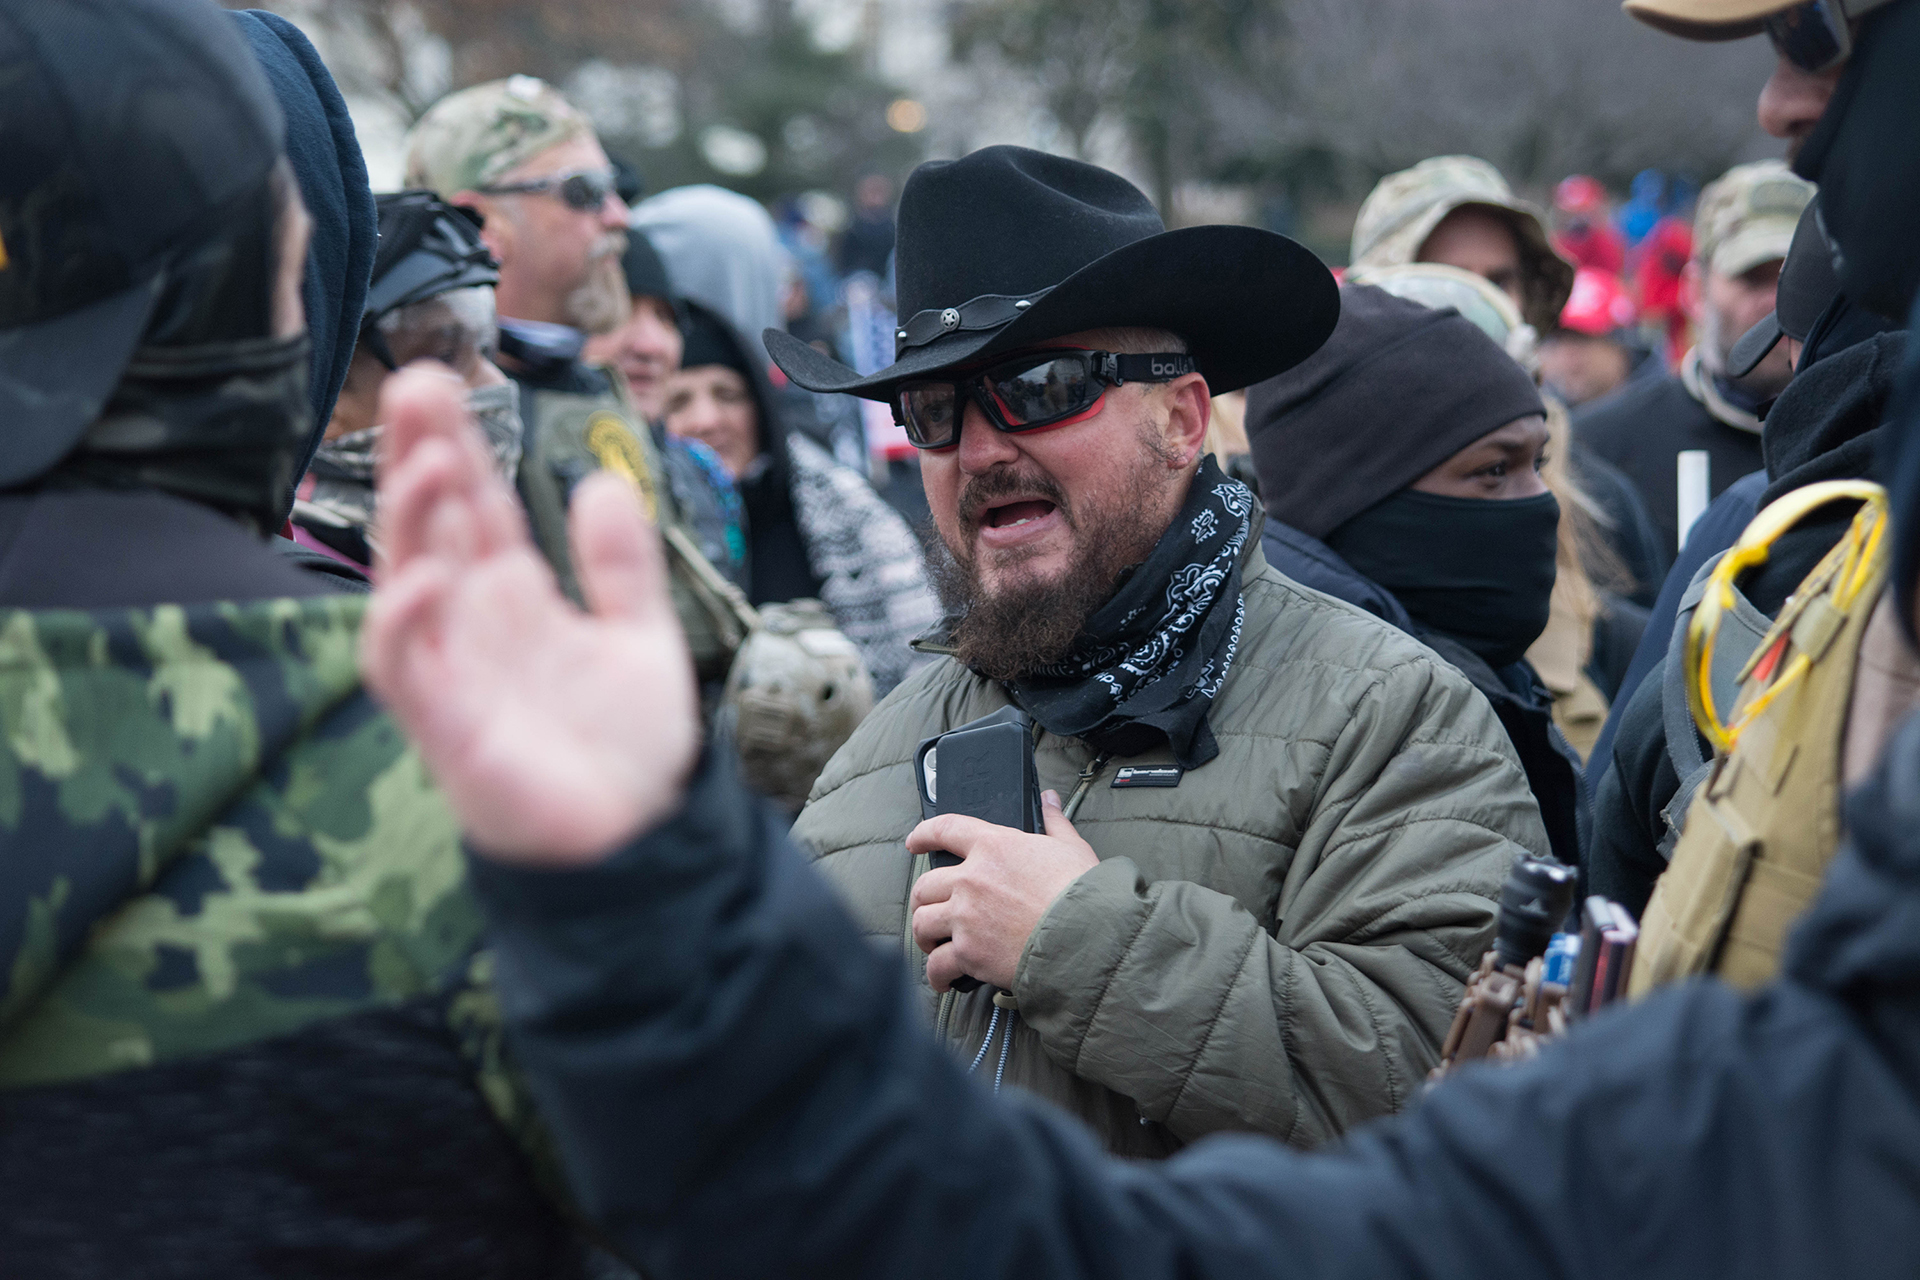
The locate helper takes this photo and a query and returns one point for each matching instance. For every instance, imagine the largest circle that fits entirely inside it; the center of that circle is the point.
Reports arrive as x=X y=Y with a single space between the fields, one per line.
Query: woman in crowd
x=814 y=528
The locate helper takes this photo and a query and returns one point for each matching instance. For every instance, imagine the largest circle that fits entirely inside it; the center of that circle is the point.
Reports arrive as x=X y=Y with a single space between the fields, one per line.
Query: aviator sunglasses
x=586 y=190
x=1024 y=392
x=1817 y=35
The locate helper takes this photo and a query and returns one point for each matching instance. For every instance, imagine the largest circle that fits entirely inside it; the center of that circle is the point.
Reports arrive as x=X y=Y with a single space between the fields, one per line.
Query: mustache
x=1005 y=482
x=610 y=245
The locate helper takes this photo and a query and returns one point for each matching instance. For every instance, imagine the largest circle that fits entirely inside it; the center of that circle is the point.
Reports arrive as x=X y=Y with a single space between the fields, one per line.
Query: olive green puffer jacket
x=1277 y=943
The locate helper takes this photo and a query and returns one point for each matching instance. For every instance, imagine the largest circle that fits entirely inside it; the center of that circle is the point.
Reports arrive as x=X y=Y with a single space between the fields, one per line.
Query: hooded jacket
x=325 y=156
x=246 y=1027
x=1277 y=942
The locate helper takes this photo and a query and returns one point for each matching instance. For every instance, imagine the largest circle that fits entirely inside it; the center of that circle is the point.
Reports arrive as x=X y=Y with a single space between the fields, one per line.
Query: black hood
x=720 y=331
x=1826 y=424
x=325 y=155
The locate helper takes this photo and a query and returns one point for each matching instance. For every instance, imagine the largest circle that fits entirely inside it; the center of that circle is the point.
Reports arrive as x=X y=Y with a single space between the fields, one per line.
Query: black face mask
x=1478 y=570
x=210 y=408
x=1865 y=154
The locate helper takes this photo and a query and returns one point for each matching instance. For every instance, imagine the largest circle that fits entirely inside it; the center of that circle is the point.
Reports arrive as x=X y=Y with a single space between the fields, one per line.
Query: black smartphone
x=984 y=769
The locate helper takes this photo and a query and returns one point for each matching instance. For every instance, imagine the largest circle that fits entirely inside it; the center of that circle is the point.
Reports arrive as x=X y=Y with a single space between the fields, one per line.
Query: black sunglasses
x=1024 y=392
x=1816 y=35
x=586 y=191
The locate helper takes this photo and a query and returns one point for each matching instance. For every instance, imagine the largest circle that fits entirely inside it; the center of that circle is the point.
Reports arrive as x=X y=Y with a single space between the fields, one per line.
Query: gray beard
x=601 y=303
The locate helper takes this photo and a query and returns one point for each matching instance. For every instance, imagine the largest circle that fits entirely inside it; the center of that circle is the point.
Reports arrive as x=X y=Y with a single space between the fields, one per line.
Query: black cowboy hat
x=1008 y=247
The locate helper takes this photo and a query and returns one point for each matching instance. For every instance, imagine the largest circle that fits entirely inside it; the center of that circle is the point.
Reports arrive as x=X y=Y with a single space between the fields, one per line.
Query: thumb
x=1055 y=817
x=618 y=558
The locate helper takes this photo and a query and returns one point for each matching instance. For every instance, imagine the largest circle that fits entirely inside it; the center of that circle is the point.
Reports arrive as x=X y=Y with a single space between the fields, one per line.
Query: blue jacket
x=741 y=1086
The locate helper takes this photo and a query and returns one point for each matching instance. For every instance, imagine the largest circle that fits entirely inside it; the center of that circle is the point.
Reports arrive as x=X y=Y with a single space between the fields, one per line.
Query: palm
x=556 y=734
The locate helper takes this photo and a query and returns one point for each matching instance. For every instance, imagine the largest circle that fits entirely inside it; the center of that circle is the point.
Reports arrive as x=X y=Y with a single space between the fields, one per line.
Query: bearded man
x=1684 y=437
x=529 y=163
x=1287 y=822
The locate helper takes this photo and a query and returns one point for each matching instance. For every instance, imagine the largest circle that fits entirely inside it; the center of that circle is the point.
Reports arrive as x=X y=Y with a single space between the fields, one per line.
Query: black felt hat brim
x=1249 y=303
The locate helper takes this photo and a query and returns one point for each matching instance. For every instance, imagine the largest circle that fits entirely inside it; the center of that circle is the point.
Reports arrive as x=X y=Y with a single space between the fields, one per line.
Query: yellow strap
x=1851 y=563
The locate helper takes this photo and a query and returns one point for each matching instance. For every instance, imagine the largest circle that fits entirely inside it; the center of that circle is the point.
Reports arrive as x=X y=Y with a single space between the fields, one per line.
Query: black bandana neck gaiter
x=1152 y=659
x=1479 y=570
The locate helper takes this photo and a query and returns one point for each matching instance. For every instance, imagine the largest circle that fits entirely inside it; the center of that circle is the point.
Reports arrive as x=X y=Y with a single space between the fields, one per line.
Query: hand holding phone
x=984 y=769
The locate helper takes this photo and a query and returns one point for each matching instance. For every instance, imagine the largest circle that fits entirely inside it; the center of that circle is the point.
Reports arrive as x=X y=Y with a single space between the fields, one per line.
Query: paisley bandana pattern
x=1154 y=657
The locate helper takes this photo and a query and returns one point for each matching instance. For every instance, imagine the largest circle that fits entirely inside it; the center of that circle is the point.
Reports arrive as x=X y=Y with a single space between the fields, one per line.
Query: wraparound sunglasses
x=1025 y=392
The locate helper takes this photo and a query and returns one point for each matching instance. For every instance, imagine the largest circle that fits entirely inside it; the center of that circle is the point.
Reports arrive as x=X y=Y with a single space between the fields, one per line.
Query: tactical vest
x=1765 y=822
x=569 y=437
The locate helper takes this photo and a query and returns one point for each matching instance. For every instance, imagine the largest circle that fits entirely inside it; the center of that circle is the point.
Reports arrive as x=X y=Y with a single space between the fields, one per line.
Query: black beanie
x=709 y=341
x=646 y=274
x=1398 y=389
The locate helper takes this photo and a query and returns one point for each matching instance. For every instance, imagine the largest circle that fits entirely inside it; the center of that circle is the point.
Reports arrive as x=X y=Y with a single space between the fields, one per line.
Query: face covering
x=211 y=407
x=1478 y=570
x=343 y=469
x=1865 y=154
x=497 y=409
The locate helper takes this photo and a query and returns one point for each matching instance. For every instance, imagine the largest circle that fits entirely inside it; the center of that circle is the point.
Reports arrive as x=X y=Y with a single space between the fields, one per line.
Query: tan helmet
x=1436 y=285
x=797 y=691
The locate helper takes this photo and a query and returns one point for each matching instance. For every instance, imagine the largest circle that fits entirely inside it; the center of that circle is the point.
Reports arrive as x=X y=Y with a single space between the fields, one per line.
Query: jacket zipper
x=943 y=1019
x=1084 y=783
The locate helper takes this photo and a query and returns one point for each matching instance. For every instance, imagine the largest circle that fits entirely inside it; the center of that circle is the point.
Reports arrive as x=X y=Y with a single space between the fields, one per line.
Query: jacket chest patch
x=1148 y=775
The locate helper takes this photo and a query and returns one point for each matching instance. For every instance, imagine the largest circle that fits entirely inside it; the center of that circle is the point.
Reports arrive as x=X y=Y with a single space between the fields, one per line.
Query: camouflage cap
x=1747 y=216
x=1402 y=211
x=472 y=138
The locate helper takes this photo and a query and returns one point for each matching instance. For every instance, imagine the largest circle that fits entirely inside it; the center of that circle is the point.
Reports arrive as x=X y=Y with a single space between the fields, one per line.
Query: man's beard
x=1026 y=623
x=600 y=303
x=1768 y=378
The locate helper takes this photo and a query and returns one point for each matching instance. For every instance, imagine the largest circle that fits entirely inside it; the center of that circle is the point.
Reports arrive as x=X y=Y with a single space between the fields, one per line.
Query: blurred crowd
x=553 y=729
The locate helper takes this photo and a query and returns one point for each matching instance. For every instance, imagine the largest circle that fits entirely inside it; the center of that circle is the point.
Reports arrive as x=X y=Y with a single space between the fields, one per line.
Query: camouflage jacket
x=215 y=849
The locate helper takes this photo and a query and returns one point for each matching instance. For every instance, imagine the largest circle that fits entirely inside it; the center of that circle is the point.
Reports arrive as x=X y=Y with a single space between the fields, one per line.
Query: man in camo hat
x=529 y=163
x=1741 y=231
x=1459 y=211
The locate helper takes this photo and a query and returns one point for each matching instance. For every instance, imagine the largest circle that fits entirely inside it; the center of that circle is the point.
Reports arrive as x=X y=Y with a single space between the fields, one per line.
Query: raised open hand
x=556 y=734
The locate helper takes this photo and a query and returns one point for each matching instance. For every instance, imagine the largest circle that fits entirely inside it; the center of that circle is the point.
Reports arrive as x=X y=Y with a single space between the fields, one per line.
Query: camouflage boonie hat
x=1402 y=211
x=1748 y=215
x=472 y=138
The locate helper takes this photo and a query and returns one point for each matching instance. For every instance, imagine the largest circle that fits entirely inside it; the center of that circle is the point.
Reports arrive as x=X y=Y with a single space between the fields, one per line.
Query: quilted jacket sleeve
x=1175 y=995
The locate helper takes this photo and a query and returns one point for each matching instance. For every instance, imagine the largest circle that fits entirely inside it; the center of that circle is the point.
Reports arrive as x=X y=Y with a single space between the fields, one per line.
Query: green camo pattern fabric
x=209 y=835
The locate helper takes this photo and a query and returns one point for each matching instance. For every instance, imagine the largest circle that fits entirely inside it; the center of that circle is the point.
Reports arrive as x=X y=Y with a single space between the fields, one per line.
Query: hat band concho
x=988 y=311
